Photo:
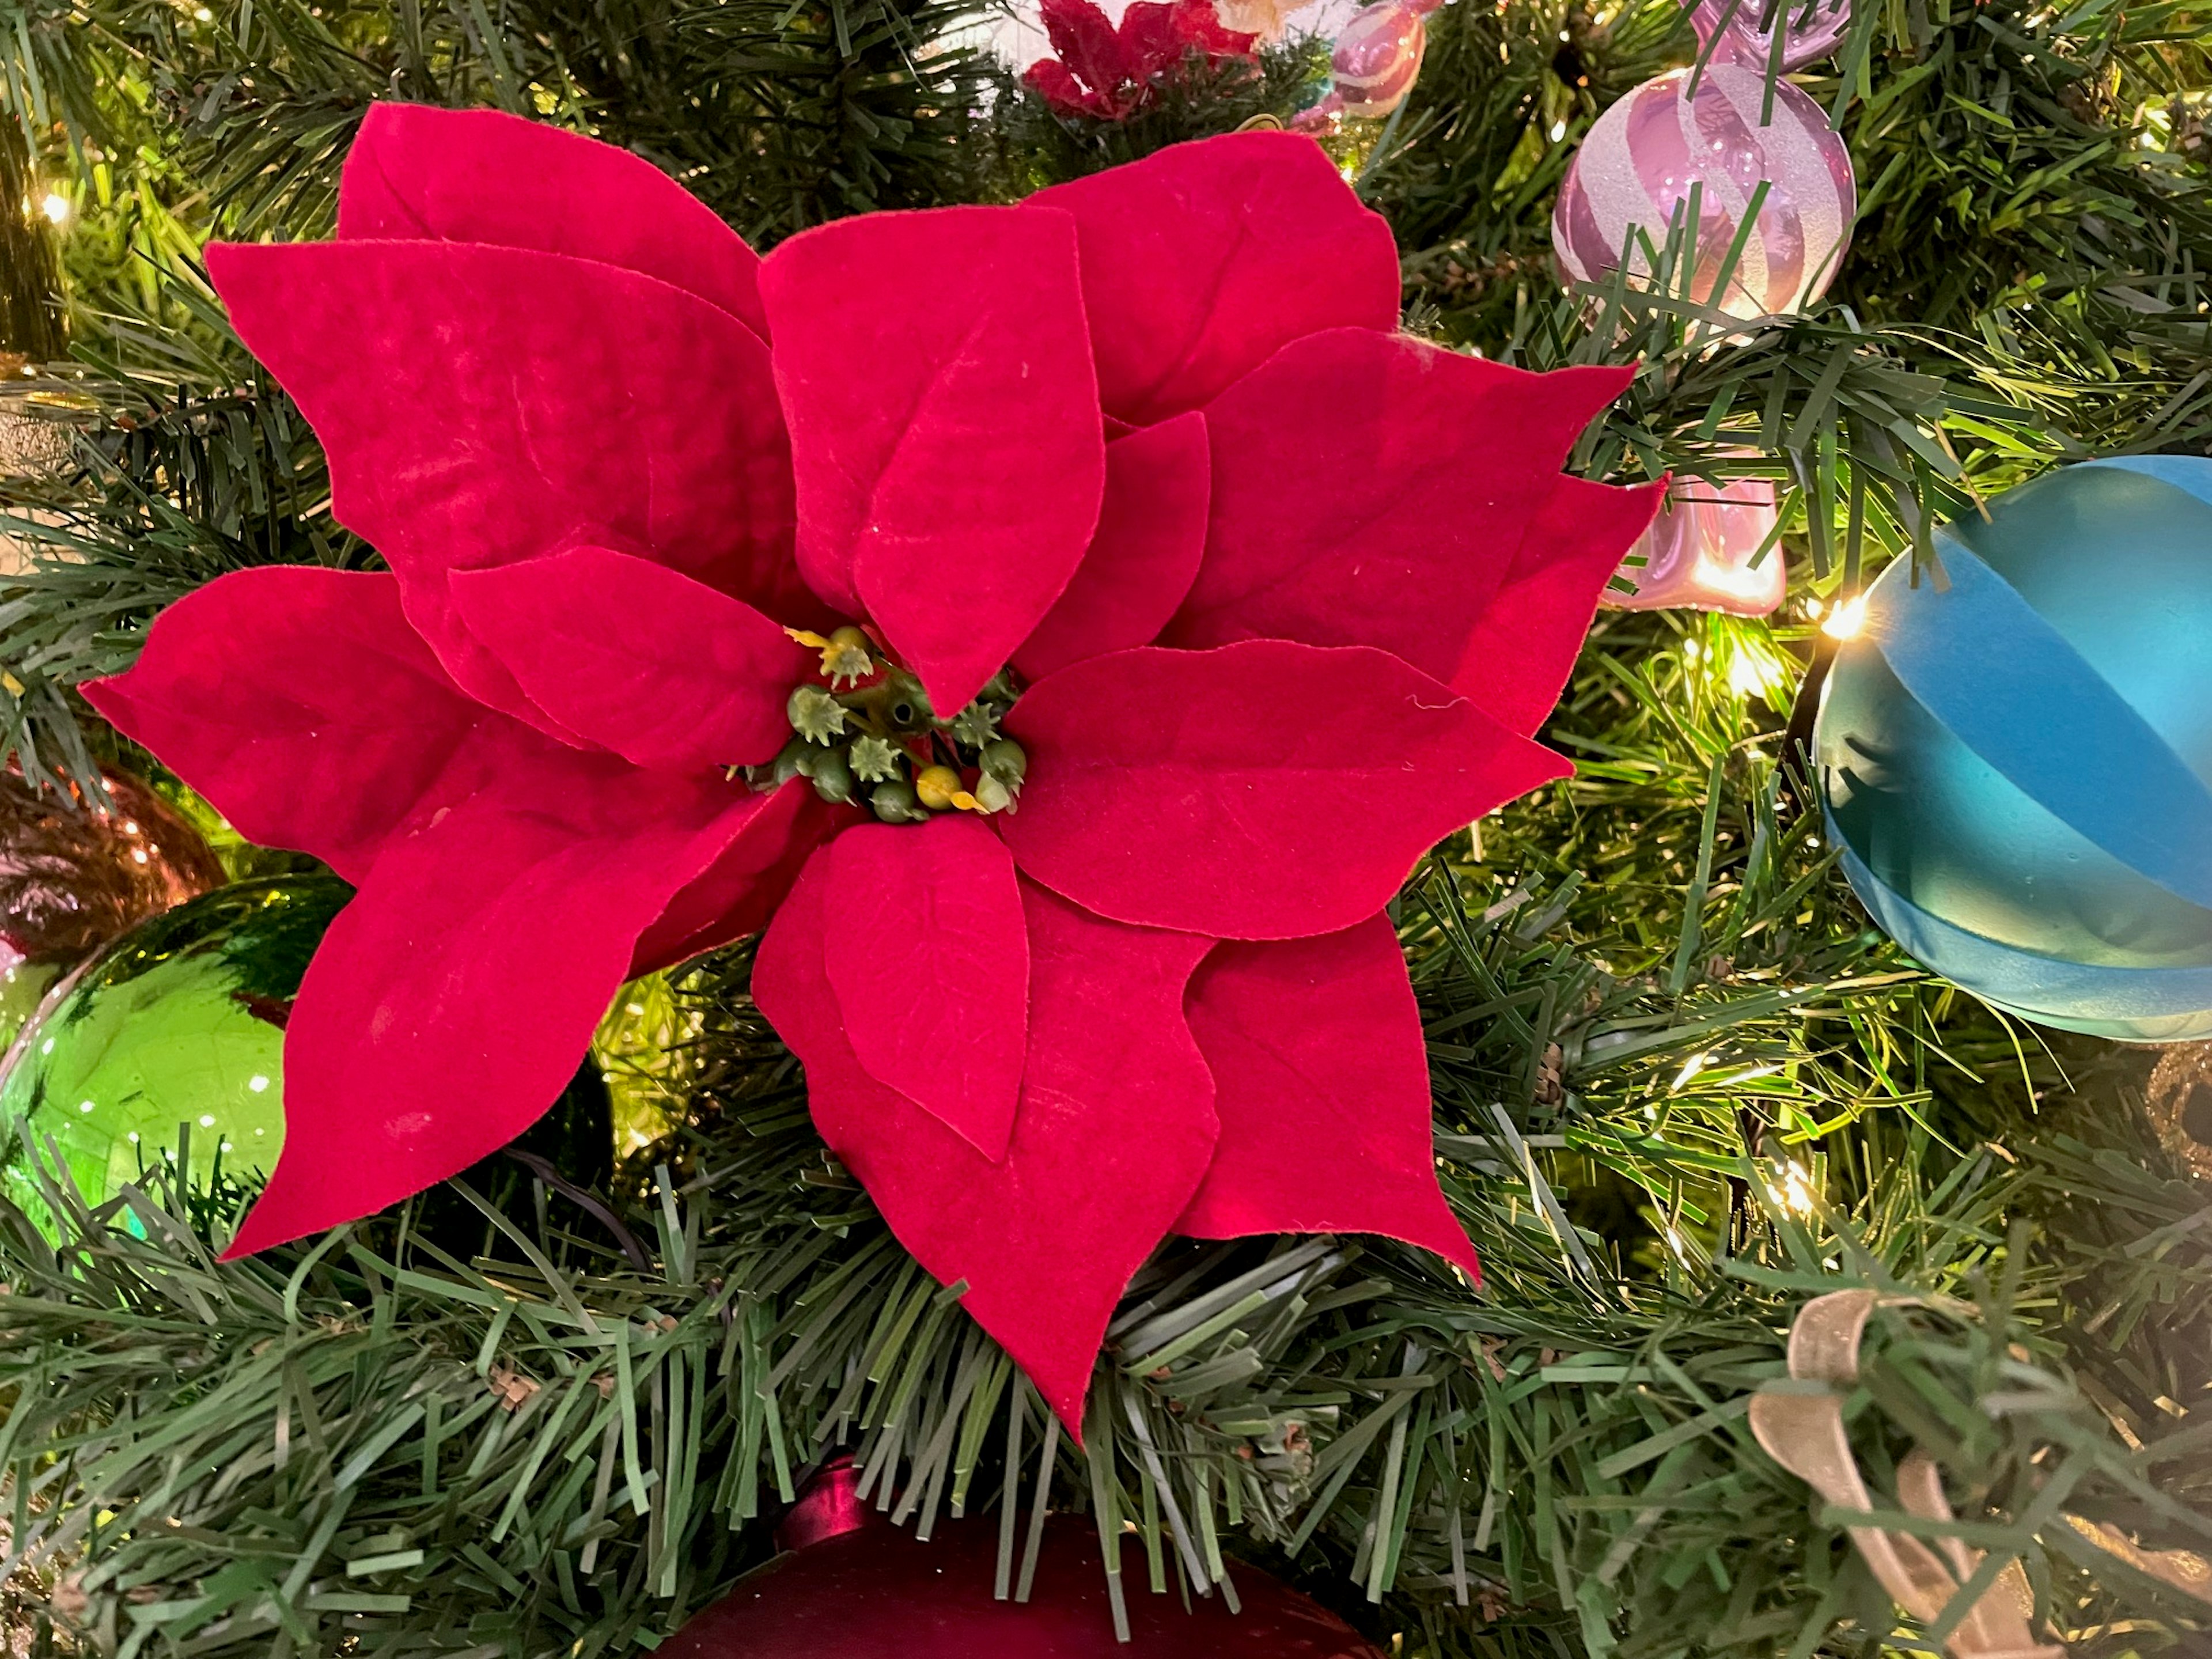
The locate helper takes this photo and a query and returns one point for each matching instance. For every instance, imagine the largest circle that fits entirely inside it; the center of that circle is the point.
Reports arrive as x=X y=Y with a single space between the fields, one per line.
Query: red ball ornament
x=875 y=1592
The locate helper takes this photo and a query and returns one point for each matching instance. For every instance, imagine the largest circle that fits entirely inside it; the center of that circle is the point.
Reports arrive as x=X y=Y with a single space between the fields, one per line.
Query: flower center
x=863 y=731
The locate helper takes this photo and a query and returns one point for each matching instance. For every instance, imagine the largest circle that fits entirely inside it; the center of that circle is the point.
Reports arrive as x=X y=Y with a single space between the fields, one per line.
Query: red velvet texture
x=1291 y=592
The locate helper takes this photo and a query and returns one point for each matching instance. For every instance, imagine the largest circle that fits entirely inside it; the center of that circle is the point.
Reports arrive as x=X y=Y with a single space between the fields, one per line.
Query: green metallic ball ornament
x=178 y=1023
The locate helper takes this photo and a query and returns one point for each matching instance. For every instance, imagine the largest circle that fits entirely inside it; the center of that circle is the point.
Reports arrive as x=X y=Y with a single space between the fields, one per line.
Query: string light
x=1844 y=622
x=1797 y=1194
x=56 y=207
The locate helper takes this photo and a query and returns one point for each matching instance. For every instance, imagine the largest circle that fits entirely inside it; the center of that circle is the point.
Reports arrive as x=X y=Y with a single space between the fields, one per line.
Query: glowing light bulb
x=1797 y=1193
x=1844 y=622
x=56 y=207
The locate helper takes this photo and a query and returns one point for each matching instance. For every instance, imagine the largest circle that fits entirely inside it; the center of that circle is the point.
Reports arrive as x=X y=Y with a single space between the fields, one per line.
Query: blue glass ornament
x=2016 y=760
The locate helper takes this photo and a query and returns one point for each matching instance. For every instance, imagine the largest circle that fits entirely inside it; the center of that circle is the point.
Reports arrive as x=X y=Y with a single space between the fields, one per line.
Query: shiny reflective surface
x=1976 y=879
x=181 y=1021
x=1647 y=154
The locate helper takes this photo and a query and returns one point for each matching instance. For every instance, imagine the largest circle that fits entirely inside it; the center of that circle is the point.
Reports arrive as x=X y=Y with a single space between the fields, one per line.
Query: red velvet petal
x=1201 y=261
x=301 y=702
x=1265 y=790
x=944 y=423
x=1197 y=23
x=486 y=404
x=924 y=944
x=1115 y=1128
x=477 y=175
x=1152 y=531
x=738 y=894
x=666 y=672
x=1370 y=489
x=1322 y=1084
x=1051 y=80
x=1087 y=42
x=1524 y=647
x=450 y=1002
x=1148 y=36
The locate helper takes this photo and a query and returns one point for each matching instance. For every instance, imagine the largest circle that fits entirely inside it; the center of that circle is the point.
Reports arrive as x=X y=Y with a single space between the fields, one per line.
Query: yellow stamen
x=844 y=653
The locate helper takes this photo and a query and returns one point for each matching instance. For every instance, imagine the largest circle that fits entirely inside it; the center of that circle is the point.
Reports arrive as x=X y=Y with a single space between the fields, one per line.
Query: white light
x=1797 y=1190
x=1748 y=677
x=257 y=1083
x=228 y=1147
x=1846 y=619
x=84 y=1105
x=134 y=1137
x=206 y=1122
x=1559 y=130
x=47 y=1046
x=56 y=207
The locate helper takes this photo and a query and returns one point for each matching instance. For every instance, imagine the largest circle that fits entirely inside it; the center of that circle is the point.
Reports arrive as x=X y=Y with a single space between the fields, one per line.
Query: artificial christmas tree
x=1681 y=1087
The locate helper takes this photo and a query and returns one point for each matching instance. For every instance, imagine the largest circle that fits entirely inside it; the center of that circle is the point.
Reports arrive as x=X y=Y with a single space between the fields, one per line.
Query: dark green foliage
x=780 y=115
x=433 y=1445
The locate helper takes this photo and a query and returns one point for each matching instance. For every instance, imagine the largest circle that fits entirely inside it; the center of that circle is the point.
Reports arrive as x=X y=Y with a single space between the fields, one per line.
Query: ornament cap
x=830 y=1505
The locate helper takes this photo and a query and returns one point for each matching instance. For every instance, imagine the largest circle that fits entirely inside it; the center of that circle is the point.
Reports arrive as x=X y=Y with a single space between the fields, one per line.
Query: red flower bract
x=1287 y=593
x=1112 y=73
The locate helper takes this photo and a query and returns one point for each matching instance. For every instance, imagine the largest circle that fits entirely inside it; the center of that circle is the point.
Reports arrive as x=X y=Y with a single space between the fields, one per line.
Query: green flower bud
x=790 y=762
x=896 y=803
x=846 y=658
x=874 y=761
x=992 y=795
x=833 y=778
x=975 y=726
x=1007 y=761
x=814 y=713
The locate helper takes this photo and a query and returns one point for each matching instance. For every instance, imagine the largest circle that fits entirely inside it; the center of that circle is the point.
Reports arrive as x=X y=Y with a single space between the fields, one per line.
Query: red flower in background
x=1113 y=73
x=1277 y=596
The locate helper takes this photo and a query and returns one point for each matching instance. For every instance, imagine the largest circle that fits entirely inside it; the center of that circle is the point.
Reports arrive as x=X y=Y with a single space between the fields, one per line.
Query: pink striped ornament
x=1373 y=65
x=1698 y=553
x=1639 y=161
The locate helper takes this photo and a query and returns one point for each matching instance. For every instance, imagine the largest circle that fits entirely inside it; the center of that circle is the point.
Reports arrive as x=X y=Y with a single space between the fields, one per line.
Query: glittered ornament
x=1374 y=63
x=2179 y=1100
x=1712 y=132
x=74 y=875
x=179 y=1022
x=1743 y=31
x=1703 y=552
x=2016 y=759
x=853 y=1586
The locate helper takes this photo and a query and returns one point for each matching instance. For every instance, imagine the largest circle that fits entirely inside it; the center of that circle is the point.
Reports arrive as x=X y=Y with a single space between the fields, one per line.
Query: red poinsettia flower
x=1112 y=73
x=1128 y=499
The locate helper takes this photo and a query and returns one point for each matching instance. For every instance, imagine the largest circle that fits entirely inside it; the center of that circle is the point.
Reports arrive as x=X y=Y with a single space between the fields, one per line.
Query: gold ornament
x=2179 y=1099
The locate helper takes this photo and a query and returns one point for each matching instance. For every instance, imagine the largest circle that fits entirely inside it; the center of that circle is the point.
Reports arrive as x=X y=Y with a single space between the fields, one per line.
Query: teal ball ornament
x=179 y=1023
x=2015 y=760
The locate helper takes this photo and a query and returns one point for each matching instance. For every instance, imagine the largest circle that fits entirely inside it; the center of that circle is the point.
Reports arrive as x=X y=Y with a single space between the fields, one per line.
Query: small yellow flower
x=938 y=787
